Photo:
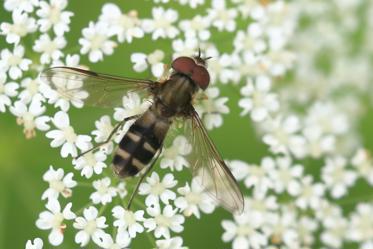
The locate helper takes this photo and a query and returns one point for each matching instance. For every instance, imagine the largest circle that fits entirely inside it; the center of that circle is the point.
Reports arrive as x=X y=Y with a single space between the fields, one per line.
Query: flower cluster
x=307 y=113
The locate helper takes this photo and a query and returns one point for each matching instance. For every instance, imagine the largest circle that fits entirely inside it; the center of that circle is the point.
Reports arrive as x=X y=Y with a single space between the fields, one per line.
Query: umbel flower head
x=303 y=102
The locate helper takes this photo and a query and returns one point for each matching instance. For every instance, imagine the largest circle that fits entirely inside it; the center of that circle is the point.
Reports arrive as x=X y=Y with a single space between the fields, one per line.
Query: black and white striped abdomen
x=139 y=144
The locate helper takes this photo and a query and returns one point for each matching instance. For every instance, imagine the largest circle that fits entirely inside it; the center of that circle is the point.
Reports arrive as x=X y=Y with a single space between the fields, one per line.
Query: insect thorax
x=175 y=95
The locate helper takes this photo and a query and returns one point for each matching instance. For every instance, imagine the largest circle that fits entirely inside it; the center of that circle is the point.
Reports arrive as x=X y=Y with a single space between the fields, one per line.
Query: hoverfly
x=172 y=98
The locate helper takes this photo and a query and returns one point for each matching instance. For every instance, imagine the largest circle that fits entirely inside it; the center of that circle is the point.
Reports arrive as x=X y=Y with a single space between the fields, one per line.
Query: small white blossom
x=286 y=176
x=52 y=15
x=95 y=41
x=14 y=62
x=20 y=5
x=103 y=130
x=363 y=162
x=31 y=90
x=282 y=136
x=104 y=191
x=89 y=163
x=251 y=40
x=161 y=26
x=257 y=176
x=21 y=26
x=7 y=90
x=311 y=194
x=164 y=221
x=171 y=243
x=153 y=60
x=132 y=105
x=198 y=27
x=66 y=137
x=336 y=177
x=193 y=199
x=222 y=17
x=173 y=157
x=243 y=232
x=185 y=47
x=128 y=221
x=53 y=220
x=192 y=3
x=334 y=232
x=122 y=241
x=124 y=26
x=31 y=117
x=361 y=224
x=154 y=188
x=90 y=226
x=50 y=49
x=258 y=100
x=58 y=183
x=57 y=95
x=36 y=244
x=212 y=107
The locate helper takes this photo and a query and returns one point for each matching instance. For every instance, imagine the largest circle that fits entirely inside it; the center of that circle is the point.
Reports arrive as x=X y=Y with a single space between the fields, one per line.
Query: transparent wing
x=92 y=88
x=210 y=169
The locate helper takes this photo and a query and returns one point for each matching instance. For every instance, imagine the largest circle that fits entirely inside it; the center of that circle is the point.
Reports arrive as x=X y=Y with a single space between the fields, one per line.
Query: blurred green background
x=23 y=162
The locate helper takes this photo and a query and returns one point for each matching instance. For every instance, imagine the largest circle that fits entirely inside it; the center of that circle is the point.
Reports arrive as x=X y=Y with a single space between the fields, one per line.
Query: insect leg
x=147 y=171
x=116 y=128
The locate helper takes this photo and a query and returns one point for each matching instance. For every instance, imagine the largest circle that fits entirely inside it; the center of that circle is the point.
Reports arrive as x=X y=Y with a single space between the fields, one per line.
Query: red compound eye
x=184 y=65
x=201 y=77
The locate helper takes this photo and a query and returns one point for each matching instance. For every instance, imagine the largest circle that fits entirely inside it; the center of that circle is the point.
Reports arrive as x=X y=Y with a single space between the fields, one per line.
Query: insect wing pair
x=102 y=90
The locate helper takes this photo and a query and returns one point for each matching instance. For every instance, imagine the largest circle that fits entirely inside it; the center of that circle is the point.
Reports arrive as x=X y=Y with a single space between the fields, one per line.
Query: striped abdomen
x=139 y=144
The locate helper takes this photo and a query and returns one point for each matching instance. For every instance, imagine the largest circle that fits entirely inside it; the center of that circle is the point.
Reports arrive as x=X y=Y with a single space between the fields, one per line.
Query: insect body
x=171 y=99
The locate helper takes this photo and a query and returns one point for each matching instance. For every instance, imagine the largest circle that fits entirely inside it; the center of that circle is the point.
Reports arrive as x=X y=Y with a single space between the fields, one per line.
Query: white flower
x=122 y=241
x=336 y=177
x=311 y=193
x=52 y=15
x=21 y=26
x=192 y=3
x=58 y=183
x=155 y=189
x=257 y=176
x=103 y=130
x=363 y=162
x=222 y=17
x=258 y=99
x=7 y=90
x=128 y=221
x=171 y=243
x=185 y=47
x=95 y=41
x=286 y=176
x=173 y=157
x=282 y=136
x=20 y=5
x=194 y=199
x=261 y=207
x=251 y=40
x=37 y=244
x=90 y=163
x=125 y=26
x=334 y=232
x=132 y=105
x=65 y=136
x=58 y=96
x=198 y=27
x=212 y=107
x=71 y=60
x=53 y=220
x=361 y=224
x=161 y=26
x=50 y=49
x=30 y=116
x=121 y=190
x=281 y=228
x=154 y=60
x=14 y=62
x=31 y=89
x=90 y=226
x=104 y=192
x=243 y=232
x=163 y=222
